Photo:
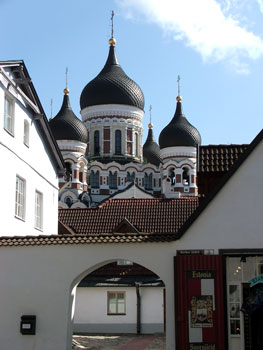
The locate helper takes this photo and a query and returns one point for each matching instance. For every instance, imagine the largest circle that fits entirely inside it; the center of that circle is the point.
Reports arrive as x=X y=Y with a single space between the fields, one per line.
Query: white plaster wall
x=39 y=281
x=91 y=307
x=33 y=164
x=234 y=219
x=152 y=310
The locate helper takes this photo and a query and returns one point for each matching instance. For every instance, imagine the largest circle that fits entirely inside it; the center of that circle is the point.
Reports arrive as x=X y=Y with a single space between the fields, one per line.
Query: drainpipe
x=138 y=308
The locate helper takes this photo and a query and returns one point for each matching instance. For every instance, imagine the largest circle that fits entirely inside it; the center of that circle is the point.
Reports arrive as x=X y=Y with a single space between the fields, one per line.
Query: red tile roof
x=146 y=215
x=219 y=158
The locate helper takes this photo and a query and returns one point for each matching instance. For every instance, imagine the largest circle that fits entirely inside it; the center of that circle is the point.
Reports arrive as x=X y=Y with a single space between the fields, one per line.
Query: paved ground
x=118 y=342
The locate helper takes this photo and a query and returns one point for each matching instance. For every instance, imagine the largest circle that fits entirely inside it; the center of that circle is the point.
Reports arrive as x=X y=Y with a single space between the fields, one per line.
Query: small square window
x=116 y=303
x=9 y=109
x=20 y=198
x=38 y=210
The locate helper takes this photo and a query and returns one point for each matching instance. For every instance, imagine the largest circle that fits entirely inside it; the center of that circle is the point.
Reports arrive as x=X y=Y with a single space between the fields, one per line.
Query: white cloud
x=207 y=26
x=260 y=3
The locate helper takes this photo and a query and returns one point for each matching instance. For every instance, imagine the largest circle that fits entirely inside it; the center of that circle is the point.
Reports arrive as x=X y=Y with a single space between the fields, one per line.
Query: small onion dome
x=151 y=150
x=66 y=125
x=112 y=86
x=179 y=132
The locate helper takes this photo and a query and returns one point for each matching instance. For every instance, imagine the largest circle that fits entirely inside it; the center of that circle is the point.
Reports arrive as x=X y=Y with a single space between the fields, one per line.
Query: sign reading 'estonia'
x=257 y=279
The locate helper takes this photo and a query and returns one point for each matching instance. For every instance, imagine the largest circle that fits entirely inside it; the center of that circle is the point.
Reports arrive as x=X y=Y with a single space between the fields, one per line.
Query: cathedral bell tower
x=179 y=142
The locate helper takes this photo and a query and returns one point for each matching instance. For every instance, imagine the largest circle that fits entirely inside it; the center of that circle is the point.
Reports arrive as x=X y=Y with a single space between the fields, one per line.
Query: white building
x=30 y=156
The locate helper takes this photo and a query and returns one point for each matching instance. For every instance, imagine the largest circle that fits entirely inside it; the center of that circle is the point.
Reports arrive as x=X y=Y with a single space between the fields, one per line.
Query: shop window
x=20 y=200
x=186 y=176
x=96 y=142
x=113 y=180
x=118 y=141
x=26 y=133
x=9 y=108
x=234 y=309
x=148 y=181
x=116 y=303
x=95 y=179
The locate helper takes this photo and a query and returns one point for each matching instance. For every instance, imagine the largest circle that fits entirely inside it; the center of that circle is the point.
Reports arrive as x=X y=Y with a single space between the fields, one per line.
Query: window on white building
x=9 y=109
x=38 y=210
x=20 y=201
x=26 y=133
x=116 y=303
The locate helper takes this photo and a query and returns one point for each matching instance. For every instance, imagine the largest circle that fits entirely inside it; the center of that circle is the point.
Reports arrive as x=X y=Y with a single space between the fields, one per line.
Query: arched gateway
x=46 y=274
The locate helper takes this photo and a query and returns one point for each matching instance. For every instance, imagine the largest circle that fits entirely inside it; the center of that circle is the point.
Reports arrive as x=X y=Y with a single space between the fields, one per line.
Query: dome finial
x=179 y=97
x=112 y=40
x=66 y=90
x=150 y=125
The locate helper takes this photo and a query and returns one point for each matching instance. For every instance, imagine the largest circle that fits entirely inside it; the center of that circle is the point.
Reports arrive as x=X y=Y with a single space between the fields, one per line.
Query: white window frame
x=38 y=210
x=9 y=116
x=117 y=302
x=20 y=198
x=26 y=133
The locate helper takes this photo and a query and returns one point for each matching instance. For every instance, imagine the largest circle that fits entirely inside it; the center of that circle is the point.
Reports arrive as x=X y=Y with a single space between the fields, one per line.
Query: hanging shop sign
x=257 y=279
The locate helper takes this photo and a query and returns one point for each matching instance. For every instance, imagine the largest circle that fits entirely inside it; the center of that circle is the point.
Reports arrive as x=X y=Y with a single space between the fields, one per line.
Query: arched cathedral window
x=96 y=142
x=113 y=180
x=95 y=179
x=130 y=176
x=118 y=141
x=136 y=145
x=148 y=181
x=186 y=176
x=172 y=176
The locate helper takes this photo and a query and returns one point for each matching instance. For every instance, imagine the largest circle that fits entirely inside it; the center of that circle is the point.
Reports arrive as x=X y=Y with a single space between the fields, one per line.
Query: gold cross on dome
x=178 y=82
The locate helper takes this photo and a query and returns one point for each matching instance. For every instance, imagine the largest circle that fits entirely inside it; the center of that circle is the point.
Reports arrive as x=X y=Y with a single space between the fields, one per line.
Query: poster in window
x=202 y=311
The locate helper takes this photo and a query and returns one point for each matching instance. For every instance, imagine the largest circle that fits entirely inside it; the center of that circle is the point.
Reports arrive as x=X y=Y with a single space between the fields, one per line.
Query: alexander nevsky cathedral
x=104 y=153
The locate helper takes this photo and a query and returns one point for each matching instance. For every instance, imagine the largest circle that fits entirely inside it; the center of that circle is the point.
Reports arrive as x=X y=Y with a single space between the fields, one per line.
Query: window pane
x=20 y=198
x=235 y=327
x=8 y=115
x=38 y=209
x=26 y=132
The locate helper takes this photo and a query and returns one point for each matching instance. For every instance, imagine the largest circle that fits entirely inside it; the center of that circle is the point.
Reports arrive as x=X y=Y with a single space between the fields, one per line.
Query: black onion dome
x=66 y=125
x=179 y=132
x=112 y=86
x=151 y=150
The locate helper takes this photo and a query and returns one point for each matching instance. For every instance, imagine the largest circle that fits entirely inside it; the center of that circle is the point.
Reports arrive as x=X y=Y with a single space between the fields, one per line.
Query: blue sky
x=215 y=45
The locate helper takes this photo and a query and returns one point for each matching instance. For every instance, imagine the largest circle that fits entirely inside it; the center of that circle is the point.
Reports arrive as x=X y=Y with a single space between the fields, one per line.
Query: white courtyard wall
x=91 y=310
